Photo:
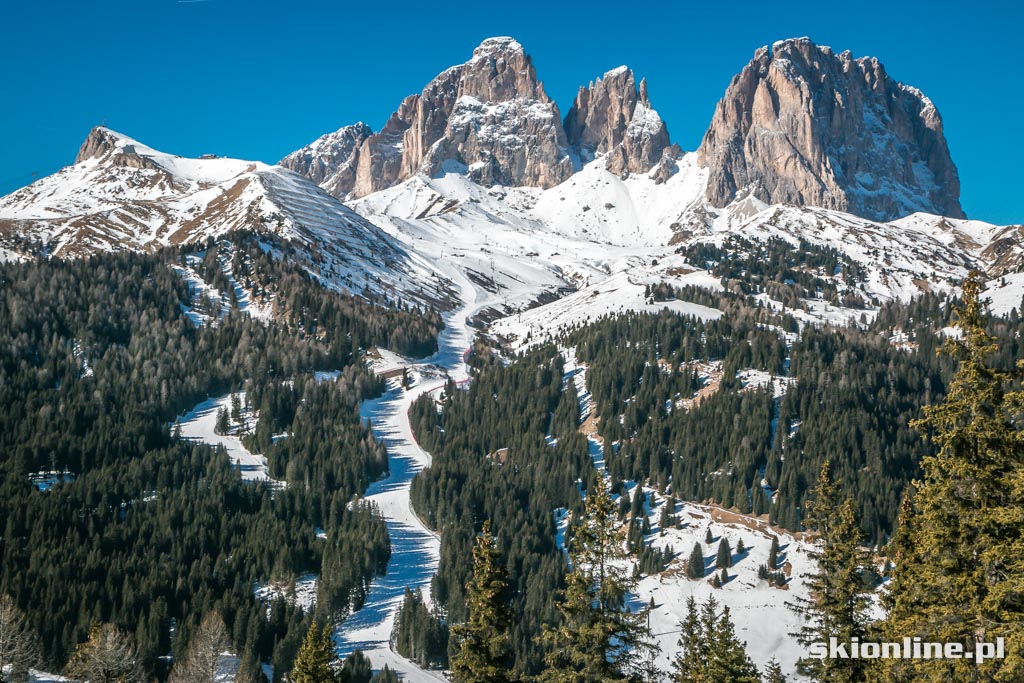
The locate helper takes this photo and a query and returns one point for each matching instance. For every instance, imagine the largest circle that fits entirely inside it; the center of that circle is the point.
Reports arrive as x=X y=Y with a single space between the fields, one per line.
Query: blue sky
x=258 y=79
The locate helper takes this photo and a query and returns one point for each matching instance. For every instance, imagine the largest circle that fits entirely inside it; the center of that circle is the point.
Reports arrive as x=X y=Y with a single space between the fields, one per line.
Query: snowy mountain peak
x=124 y=195
x=802 y=125
x=612 y=116
x=101 y=142
x=488 y=118
x=497 y=45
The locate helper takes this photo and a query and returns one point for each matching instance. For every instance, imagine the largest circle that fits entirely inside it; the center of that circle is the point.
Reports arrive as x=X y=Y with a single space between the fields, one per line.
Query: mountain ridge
x=798 y=124
x=122 y=194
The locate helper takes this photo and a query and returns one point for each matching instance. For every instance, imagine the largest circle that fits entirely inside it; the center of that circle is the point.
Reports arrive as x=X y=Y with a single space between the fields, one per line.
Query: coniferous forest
x=118 y=530
x=149 y=532
x=850 y=400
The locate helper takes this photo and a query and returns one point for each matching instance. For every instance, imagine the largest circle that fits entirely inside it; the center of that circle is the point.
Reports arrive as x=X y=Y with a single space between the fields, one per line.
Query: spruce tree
x=709 y=651
x=357 y=668
x=689 y=664
x=773 y=554
x=599 y=638
x=773 y=672
x=385 y=675
x=724 y=558
x=695 y=565
x=959 y=565
x=837 y=606
x=482 y=644
x=315 y=662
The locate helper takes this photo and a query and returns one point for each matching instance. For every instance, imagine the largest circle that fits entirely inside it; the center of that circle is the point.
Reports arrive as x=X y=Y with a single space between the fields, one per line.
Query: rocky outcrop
x=803 y=125
x=330 y=161
x=614 y=117
x=489 y=118
x=103 y=143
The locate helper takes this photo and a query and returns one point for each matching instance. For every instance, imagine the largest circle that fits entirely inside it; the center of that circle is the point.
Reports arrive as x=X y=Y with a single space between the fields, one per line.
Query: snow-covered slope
x=596 y=240
x=121 y=194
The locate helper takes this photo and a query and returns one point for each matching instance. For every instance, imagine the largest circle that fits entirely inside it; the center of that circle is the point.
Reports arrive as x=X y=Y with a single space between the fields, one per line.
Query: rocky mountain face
x=803 y=125
x=491 y=120
x=614 y=117
x=488 y=118
x=328 y=161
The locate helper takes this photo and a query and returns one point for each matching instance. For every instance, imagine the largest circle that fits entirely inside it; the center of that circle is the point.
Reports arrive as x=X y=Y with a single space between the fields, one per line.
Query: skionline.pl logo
x=910 y=648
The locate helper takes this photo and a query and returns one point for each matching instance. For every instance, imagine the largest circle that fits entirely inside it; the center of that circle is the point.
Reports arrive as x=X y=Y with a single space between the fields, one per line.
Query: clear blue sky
x=256 y=79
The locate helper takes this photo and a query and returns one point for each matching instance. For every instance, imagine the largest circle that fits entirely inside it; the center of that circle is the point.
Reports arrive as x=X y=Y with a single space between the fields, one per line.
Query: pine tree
x=959 y=566
x=667 y=519
x=695 y=565
x=598 y=639
x=385 y=675
x=357 y=668
x=773 y=554
x=741 y=549
x=691 y=661
x=709 y=651
x=201 y=661
x=315 y=662
x=108 y=656
x=223 y=426
x=837 y=606
x=482 y=644
x=19 y=646
x=724 y=558
x=708 y=538
x=773 y=672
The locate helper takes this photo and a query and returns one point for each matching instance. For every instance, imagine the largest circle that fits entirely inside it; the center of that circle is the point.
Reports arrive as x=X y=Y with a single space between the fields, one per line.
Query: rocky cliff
x=803 y=125
x=328 y=161
x=613 y=116
x=489 y=118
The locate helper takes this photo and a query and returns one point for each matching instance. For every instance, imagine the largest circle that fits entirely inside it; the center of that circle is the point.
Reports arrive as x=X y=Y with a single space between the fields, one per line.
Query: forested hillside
x=841 y=393
x=110 y=517
x=506 y=450
x=738 y=412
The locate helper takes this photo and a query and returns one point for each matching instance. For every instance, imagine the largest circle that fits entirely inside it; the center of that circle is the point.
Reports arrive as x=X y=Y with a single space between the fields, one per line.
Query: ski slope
x=415 y=550
x=199 y=424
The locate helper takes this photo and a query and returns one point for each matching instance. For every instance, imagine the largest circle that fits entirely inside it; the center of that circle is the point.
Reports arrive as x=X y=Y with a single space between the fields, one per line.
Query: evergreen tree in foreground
x=482 y=644
x=837 y=606
x=710 y=652
x=959 y=551
x=773 y=672
x=315 y=661
x=599 y=638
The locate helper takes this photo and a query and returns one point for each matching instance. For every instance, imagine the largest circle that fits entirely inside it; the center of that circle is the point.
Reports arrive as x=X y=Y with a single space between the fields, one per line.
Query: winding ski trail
x=415 y=550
